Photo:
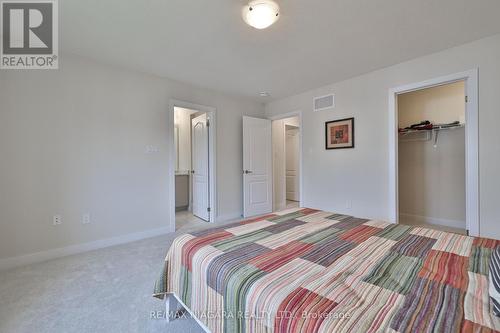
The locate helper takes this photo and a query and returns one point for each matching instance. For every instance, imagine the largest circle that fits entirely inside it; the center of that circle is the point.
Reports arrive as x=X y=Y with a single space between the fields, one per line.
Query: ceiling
x=315 y=42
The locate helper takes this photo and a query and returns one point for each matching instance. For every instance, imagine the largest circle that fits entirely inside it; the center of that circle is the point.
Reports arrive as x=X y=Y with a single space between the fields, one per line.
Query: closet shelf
x=436 y=128
x=429 y=133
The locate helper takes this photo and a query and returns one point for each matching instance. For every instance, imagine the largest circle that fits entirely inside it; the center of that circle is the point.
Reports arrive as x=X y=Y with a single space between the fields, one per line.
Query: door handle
x=192 y=171
x=247 y=172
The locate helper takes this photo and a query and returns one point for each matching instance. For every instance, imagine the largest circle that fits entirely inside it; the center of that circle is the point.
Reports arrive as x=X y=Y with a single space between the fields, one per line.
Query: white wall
x=440 y=105
x=333 y=178
x=292 y=121
x=432 y=179
x=73 y=140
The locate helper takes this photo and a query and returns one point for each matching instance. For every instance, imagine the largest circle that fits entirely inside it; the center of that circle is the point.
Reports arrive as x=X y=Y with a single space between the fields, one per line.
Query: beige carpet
x=106 y=290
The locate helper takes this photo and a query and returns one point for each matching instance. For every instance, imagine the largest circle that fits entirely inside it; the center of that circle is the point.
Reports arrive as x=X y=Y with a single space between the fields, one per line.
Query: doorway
x=193 y=167
x=287 y=161
x=434 y=154
x=431 y=157
x=292 y=165
x=272 y=164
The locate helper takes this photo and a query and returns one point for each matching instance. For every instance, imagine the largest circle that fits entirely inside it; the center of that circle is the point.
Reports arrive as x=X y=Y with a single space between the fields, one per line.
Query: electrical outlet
x=86 y=219
x=57 y=220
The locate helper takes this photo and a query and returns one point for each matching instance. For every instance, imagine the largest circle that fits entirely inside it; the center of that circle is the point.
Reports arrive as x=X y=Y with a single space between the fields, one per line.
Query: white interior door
x=292 y=164
x=200 y=167
x=257 y=167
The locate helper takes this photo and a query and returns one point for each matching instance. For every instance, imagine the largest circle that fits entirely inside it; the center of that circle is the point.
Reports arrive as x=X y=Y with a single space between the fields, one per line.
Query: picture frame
x=339 y=134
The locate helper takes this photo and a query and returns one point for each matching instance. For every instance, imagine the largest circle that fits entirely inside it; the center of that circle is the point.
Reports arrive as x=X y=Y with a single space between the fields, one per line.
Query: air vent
x=324 y=102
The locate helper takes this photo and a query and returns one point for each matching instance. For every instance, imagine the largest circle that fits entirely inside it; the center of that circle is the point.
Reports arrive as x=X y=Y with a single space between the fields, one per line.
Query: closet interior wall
x=432 y=172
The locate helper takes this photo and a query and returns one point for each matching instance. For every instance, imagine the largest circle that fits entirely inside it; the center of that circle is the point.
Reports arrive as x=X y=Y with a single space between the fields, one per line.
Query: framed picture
x=339 y=134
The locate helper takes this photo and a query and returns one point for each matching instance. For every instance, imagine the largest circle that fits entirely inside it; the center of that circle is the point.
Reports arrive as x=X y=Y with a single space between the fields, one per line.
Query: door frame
x=297 y=113
x=212 y=157
x=471 y=144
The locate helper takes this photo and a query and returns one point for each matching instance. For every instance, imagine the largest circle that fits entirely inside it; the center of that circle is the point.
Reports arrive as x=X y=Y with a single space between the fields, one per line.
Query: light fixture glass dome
x=260 y=14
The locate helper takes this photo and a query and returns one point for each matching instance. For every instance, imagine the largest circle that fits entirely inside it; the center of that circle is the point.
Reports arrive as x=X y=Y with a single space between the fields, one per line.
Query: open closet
x=432 y=157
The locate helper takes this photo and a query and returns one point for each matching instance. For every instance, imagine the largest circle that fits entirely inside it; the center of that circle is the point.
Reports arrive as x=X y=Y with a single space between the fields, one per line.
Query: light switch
x=150 y=149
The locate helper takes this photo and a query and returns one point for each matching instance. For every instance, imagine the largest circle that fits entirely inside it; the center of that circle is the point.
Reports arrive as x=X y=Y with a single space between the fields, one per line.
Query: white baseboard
x=79 y=248
x=228 y=217
x=418 y=219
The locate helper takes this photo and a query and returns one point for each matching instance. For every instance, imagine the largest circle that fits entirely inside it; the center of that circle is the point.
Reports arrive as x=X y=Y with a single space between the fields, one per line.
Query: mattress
x=305 y=270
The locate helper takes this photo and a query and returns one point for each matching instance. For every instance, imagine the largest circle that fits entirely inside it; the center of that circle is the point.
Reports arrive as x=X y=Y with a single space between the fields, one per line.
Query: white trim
x=168 y=305
x=212 y=137
x=432 y=220
x=471 y=144
x=79 y=248
x=297 y=113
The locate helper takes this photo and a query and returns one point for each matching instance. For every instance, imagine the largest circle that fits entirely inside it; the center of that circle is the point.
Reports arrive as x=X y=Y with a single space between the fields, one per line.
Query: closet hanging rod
x=436 y=128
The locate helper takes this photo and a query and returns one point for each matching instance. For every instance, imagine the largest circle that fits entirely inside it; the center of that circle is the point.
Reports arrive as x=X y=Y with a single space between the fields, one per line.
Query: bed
x=304 y=270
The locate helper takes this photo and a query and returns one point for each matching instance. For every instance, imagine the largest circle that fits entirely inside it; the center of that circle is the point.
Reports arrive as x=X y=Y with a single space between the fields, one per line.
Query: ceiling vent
x=324 y=102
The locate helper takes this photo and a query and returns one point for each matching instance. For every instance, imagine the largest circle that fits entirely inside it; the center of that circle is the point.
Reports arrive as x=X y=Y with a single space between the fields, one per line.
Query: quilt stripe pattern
x=304 y=270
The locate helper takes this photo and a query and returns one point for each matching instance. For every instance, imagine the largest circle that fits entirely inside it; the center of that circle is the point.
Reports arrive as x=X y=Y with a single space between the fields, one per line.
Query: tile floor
x=186 y=220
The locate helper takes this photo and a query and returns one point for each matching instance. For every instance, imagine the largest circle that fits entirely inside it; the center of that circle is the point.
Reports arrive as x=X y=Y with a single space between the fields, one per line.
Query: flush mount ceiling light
x=260 y=14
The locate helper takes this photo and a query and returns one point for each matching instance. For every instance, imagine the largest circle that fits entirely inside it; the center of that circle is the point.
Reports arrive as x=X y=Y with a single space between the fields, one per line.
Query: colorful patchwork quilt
x=305 y=270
